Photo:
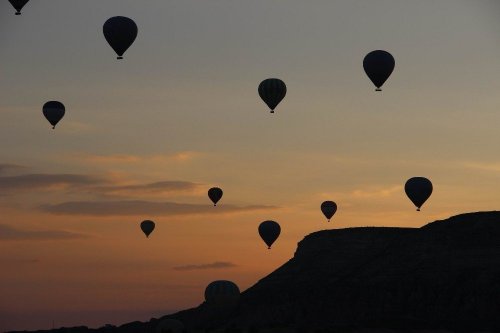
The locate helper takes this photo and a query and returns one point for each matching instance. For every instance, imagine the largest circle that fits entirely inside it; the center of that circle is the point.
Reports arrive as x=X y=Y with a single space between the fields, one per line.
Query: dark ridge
x=443 y=276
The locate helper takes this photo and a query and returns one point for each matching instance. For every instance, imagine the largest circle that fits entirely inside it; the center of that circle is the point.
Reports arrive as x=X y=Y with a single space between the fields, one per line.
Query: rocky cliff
x=445 y=275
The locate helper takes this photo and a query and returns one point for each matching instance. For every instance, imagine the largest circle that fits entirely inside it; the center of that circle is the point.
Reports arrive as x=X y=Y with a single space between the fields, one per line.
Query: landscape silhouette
x=442 y=277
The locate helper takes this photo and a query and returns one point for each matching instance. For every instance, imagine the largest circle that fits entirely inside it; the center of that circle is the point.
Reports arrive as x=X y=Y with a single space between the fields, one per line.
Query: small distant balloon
x=328 y=208
x=272 y=91
x=222 y=293
x=378 y=66
x=269 y=231
x=418 y=189
x=18 y=5
x=53 y=111
x=215 y=194
x=120 y=32
x=147 y=227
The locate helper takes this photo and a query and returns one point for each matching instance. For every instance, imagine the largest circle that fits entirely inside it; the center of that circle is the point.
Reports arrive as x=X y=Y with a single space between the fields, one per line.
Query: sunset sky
x=145 y=137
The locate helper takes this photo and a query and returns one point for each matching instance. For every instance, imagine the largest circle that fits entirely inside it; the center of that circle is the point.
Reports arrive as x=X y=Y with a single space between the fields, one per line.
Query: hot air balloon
x=272 y=92
x=18 y=5
x=418 y=189
x=147 y=227
x=120 y=32
x=378 y=66
x=215 y=194
x=269 y=231
x=222 y=293
x=328 y=208
x=169 y=325
x=53 y=111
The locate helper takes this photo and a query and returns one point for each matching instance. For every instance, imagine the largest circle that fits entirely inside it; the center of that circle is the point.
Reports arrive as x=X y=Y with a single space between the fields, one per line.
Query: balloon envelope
x=53 y=111
x=269 y=231
x=120 y=32
x=418 y=189
x=215 y=194
x=328 y=208
x=18 y=5
x=147 y=227
x=222 y=293
x=272 y=92
x=378 y=66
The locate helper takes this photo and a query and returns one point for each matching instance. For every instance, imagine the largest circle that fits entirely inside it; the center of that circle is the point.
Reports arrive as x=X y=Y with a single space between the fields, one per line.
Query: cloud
x=156 y=187
x=376 y=193
x=214 y=265
x=10 y=167
x=493 y=167
x=372 y=192
x=140 y=207
x=90 y=184
x=129 y=159
x=44 y=181
x=8 y=233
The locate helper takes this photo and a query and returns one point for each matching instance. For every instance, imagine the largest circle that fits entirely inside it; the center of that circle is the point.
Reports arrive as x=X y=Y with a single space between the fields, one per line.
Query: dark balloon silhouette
x=328 y=208
x=222 y=293
x=18 y=5
x=120 y=32
x=54 y=112
x=272 y=92
x=269 y=231
x=378 y=66
x=215 y=194
x=418 y=189
x=147 y=227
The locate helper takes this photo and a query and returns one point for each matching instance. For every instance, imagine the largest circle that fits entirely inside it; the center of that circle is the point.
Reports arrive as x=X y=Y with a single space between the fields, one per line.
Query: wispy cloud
x=376 y=193
x=368 y=193
x=112 y=195
x=141 y=207
x=86 y=184
x=214 y=265
x=8 y=233
x=156 y=187
x=129 y=159
x=6 y=167
x=45 y=181
x=493 y=167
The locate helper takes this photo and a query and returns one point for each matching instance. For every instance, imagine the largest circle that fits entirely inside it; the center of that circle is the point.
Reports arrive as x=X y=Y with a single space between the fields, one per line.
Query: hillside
x=445 y=275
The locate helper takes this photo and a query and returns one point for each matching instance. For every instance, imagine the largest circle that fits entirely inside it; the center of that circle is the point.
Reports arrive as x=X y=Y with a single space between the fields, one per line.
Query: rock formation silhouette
x=442 y=276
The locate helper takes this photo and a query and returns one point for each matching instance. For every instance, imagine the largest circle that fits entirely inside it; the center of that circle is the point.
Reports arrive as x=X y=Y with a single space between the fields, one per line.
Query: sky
x=145 y=137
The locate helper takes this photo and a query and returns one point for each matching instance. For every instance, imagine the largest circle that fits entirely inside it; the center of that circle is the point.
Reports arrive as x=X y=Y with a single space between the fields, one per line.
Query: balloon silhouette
x=215 y=194
x=147 y=227
x=269 y=231
x=378 y=66
x=120 y=32
x=272 y=92
x=418 y=189
x=18 y=5
x=222 y=293
x=54 y=112
x=328 y=208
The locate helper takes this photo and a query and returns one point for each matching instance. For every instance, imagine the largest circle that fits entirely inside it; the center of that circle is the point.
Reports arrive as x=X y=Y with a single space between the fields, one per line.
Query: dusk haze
x=247 y=143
